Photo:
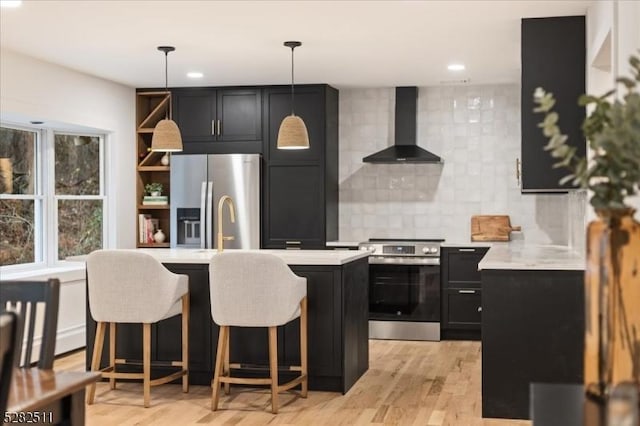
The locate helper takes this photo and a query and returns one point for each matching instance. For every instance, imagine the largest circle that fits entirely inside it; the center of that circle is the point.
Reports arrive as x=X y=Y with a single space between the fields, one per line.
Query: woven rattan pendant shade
x=166 y=135
x=293 y=132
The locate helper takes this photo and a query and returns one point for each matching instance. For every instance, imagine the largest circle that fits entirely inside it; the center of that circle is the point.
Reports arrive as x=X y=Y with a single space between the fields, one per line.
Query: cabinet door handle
x=218 y=127
x=293 y=245
x=518 y=171
x=479 y=308
x=213 y=127
x=472 y=250
x=467 y=291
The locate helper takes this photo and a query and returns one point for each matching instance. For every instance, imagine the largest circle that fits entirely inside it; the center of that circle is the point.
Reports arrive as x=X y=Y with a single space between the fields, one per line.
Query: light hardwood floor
x=408 y=383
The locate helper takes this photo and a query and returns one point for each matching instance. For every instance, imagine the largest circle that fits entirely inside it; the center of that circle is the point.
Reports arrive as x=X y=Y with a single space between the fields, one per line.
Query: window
x=52 y=195
x=21 y=196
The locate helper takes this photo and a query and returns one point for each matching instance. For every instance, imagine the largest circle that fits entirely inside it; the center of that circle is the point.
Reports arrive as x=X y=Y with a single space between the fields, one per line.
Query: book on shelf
x=147 y=226
x=158 y=200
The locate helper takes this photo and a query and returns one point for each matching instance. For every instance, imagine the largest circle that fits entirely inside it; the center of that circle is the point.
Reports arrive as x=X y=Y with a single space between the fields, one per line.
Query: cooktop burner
x=408 y=240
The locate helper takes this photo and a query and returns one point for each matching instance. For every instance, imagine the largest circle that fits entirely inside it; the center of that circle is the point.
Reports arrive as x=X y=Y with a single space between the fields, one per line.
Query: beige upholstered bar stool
x=130 y=287
x=256 y=290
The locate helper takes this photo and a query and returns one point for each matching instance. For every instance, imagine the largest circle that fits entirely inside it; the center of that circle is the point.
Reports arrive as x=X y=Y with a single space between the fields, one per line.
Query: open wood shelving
x=151 y=107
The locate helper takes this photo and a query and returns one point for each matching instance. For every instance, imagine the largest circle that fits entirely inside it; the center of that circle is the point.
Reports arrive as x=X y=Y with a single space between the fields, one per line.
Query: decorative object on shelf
x=612 y=281
x=293 y=132
x=159 y=236
x=166 y=135
x=165 y=159
x=153 y=189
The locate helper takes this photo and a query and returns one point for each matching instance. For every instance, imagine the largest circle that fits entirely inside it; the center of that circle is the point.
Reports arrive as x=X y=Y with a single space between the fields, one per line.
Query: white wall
x=476 y=130
x=620 y=19
x=31 y=89
x=37 y=90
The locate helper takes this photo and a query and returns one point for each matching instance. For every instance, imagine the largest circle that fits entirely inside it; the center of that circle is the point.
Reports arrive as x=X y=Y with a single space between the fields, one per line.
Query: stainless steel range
x=404 y=288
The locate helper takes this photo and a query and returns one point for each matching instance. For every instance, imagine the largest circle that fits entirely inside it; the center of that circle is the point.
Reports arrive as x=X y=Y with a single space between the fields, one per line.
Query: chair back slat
x=8 y=342
x=30 y=317
x=25 y=297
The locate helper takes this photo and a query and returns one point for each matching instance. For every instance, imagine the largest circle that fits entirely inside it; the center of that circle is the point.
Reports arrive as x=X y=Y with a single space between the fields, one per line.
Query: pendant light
x=293 y=132
x=166 y=135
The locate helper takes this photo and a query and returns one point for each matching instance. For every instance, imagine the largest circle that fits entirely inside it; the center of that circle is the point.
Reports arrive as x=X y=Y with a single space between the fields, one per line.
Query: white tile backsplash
x=476 y=130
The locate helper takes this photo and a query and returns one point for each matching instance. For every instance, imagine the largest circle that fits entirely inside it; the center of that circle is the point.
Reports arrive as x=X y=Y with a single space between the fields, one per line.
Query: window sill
x=67 y=271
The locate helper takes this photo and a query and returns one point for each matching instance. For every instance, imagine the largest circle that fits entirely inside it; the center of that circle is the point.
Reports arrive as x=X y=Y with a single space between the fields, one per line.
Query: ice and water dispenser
x=189 y=234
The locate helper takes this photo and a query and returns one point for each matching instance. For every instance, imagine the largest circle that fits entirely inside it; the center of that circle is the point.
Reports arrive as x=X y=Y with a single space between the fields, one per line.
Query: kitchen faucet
x=225 y=199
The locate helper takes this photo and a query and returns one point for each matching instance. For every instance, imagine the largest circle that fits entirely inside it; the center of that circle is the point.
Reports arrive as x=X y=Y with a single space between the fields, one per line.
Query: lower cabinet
x=464 y=308
x=532 y=332
x=337 y=331
x=461 y=292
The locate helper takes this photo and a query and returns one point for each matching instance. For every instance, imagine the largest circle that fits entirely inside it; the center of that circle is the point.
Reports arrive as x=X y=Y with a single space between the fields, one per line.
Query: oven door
x=404 y=292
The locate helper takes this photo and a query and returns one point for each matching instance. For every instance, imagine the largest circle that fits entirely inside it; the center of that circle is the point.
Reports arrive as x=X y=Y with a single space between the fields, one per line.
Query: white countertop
x=342 y=243
x=471 y=243
x=291 y=257
x=522 y=256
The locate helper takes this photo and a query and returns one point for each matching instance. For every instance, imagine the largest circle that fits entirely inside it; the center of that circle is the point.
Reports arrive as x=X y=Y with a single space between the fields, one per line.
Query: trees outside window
x=52 y=195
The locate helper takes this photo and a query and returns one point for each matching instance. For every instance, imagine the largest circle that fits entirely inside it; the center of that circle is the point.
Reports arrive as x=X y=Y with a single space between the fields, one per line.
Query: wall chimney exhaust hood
x=404 y=148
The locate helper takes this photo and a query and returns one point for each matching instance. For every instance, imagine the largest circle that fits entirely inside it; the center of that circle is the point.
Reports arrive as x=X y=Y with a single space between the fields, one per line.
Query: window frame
x=54 y=198
x=46 y=200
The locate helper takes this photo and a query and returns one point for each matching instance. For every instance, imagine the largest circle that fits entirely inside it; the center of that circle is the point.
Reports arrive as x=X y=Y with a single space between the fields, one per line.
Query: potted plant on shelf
x=612 y=279
x=153 y=189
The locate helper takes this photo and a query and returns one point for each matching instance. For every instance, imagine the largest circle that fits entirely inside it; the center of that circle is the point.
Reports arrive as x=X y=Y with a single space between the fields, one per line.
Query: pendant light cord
x=292 y=102
x=166 y=80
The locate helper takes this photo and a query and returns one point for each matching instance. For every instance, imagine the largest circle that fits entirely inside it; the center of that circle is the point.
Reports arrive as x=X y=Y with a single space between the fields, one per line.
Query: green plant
x=613 y=134
x=153 y=187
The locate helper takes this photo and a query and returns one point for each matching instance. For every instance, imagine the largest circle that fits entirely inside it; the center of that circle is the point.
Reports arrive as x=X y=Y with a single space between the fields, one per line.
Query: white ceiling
x=345 y=43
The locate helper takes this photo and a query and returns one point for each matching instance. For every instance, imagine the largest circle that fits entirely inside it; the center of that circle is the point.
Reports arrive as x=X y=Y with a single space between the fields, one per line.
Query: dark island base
x=337 y=329
x=532 y=332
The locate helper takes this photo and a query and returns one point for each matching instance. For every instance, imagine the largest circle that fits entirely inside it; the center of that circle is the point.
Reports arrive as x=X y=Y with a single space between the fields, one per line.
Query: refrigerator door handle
x=203 y=207
x=209 y=224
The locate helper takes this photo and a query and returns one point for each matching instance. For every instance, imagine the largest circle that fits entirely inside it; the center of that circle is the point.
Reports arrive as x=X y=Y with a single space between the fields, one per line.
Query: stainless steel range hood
x=404 y=148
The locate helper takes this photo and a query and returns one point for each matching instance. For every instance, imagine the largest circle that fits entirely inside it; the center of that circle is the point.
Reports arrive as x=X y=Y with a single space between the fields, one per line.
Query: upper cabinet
x=219 y=121
x=553 y=57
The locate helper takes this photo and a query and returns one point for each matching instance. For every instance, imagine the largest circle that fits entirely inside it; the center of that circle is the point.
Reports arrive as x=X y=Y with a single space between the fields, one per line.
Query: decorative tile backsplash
x=476 y=130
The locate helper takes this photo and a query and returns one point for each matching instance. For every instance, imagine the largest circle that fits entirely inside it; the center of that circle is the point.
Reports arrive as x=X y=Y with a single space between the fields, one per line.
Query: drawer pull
x=293 y=245
x=472 y=250
x=479 y=308
x=467 y=291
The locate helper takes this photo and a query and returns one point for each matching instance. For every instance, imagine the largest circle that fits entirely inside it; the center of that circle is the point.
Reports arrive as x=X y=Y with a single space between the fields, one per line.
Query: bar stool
x=131 y=287
x=256 y=290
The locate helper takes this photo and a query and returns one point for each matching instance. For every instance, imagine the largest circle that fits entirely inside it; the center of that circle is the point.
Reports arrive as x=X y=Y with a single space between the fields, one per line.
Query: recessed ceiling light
x=456 y=67
x=194 y=74
x=10 y=3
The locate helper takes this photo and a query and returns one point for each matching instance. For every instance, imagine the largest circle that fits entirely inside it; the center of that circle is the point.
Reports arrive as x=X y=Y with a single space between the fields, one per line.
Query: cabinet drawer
x=463 y=308
x=462 y=264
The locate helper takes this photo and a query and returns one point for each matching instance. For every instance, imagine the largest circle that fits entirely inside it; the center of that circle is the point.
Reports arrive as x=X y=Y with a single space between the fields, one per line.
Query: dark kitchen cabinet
x=461 y=292
x=533 y=326
x=300 y=187
x=553 y=54
x=219 y=121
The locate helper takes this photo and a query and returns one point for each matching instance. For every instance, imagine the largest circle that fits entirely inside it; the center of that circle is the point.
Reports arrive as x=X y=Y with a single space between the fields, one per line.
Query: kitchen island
x=337 y=291
x=532 y=323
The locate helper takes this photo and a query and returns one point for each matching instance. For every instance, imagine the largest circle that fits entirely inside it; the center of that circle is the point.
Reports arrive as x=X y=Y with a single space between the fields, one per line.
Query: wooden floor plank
x=408 y=383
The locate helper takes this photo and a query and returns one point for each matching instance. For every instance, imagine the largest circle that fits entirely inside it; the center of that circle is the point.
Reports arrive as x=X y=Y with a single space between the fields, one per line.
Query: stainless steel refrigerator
x=197 y=184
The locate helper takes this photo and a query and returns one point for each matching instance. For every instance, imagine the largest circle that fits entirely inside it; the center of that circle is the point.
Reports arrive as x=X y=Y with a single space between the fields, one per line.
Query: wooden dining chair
x=23 y=297
x=8 y=343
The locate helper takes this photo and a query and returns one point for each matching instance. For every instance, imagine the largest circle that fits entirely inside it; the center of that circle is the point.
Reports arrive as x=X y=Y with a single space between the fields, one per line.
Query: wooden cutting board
x=492 y=228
